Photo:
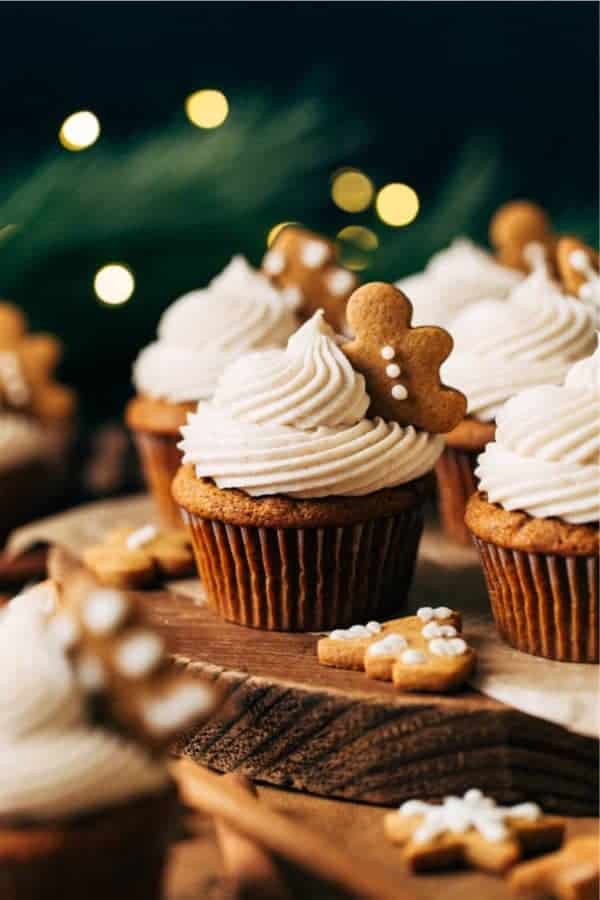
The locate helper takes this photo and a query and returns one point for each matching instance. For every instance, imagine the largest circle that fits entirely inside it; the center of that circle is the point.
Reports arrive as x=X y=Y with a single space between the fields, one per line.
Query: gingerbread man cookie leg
x=572 y=873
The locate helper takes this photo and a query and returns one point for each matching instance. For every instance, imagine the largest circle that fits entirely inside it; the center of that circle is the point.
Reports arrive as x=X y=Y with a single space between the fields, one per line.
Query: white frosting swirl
x=21 y=441
x=546 y=456
x=292 y=422
x=203 y=331
x=586 y=373
x=502 y=347
x=455 y=277
x=52 y=763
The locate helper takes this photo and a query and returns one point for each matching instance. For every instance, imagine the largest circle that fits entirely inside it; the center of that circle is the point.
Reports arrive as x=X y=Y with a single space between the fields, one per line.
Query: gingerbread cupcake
x=535 y=518
x=198 y=336
x=501 y=348
x=304 y=479
x=85 y=810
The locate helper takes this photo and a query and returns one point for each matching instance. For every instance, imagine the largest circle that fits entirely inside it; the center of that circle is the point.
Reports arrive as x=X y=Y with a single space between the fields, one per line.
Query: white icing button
x=355 y=631
x=314 y=254
x=425 y=613
x=388 y=352
x=390 y=645
x=373 y=627
x=399 y=392
x=89 y=672
x=104 y=610
x=172 y=712
x=141 y=537
x=442 y=612
x=448 y=646
x=138 y=654
x=340 y=281
x=292 y=296
x=413 y=657
x=274 y=262
x=393 y=370
x=579 y=260
x=434 y=630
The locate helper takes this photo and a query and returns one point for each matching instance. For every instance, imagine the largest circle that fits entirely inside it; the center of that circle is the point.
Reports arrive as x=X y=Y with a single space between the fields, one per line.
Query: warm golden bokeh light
x=114 y=284
x=207 y=108
x=355 y=244
x=275 y=231
x=79 y=130
x=352 y=190
x=397 y=204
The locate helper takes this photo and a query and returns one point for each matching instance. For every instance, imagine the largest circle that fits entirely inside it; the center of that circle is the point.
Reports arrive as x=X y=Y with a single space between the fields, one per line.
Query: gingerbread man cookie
x=572 y=873
x=400 y=363
x=522 y=234
x=425 y=652
x=579 y=269
x=27 y=365
x=304 y=264
x=121 y=661
x=136 y=558
x=470 y=830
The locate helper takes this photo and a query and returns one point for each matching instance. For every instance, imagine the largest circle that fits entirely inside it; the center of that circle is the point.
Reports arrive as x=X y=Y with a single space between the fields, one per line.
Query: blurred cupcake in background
x=535 y=517
x=502 y=347
x=198 y=336
x=305 y=510
x=37 y=421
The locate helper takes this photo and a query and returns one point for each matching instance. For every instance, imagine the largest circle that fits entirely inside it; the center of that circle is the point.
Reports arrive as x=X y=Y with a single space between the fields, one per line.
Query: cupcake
x=502 y=347
x=85 y=810
x=198 y=336
x=305 y=511
x=454 y=278
x=535 y=518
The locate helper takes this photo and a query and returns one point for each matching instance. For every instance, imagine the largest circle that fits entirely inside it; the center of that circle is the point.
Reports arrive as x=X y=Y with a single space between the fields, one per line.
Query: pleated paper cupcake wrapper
x=160 y=459
x=456 y=483
x=307 y=579
x=97 y=861
x=544 y=604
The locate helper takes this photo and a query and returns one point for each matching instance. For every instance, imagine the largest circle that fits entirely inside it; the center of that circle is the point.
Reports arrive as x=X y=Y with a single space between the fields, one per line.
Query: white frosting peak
x=293 y=422
x=204 y=330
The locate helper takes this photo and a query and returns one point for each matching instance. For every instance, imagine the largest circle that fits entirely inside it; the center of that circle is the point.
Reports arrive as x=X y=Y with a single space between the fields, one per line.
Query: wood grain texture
x=292 y=723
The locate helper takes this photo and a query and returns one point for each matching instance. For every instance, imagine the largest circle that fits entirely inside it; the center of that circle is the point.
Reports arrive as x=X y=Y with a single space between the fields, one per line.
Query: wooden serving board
x=290 y=722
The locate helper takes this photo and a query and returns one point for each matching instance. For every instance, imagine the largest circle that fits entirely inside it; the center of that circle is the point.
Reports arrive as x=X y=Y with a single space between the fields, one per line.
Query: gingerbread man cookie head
x=304 y=265
x=578 y=268
x=521 y=232
x=401 y=364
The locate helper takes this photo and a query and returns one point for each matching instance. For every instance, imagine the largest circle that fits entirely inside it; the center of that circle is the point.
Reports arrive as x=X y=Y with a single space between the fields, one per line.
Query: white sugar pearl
x=180 y=706
x=447 y=646
x=442 y=612
x=388 y=352
x=433 y=630
x=141 y=537
x=579 y=260
x=138 y=654
x=390 y=645
x=292 y=296
x=413 y=657
x=399 y=392
x=340 y=281
x=373 y=627
x=89 y=672
x=274 y=262
x=425 y=613
x=393 y=370
x=314 y=254
x=104 y=610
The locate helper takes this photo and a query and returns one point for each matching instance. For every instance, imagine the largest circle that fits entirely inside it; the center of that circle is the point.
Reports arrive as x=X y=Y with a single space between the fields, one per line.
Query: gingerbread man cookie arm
x=400 y=363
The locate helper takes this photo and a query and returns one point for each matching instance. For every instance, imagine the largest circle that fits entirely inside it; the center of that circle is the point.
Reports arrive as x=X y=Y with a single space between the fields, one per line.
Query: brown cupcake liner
x=118 y=854
x=160 y=459
x=544 y=604
x=456 y=483
x=307 y=579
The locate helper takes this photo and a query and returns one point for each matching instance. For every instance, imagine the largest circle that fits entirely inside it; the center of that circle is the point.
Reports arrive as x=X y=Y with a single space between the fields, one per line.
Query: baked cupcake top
x=294 y=422
x=454 y=278
x=545 y=459
x=502 y=347
x=21 y=441
x=53 y=762
x=204 y=330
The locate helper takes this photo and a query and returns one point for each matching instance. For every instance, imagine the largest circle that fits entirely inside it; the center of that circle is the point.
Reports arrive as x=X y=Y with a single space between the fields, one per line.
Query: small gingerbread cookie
x=27 y=365
x=425 y=652
x=572 y=873
x=522 y=233
x=401 y=363
x=136 y=558
x=579 y=269
x=304 y=264
x=120 y=659
x=470 y=830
